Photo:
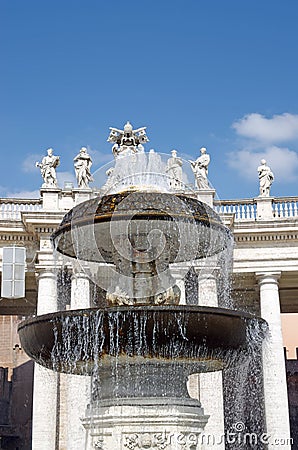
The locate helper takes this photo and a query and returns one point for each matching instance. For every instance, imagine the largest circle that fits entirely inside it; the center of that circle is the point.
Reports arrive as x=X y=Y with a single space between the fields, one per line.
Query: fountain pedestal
x=143 y=406
x=145 y=423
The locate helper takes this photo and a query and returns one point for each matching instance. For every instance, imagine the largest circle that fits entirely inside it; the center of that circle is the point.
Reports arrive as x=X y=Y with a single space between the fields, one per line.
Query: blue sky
x=219 y=74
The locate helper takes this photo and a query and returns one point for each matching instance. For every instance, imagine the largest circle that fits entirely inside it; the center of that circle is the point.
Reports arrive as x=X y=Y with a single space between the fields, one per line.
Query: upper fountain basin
x=163 y=226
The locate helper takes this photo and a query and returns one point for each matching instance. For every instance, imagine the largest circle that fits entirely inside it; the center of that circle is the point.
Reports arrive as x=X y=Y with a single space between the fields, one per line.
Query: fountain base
x=145 y=423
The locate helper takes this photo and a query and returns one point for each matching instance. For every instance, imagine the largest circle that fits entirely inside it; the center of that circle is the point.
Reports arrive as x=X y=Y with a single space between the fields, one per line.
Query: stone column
x=44 y=422
x=179 y=272
x=78 y=385
x=210 y=384
x=207 y=286
x=47 y=291
x=275 y=385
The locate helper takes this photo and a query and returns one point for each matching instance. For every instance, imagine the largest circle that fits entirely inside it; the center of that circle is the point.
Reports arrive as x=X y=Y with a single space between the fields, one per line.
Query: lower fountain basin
x=201 y=338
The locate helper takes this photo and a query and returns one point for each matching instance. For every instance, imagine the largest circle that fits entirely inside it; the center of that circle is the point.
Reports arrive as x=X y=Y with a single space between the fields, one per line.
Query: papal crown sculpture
x=128 y=140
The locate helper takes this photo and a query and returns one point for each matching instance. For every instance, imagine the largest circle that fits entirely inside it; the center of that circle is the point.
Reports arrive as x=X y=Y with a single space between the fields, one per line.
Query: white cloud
x=279 y=128
x=28 y=164
x=65 y=176
x=23 y=194
x=6 y=193
x=99 y=158
x=283 y=162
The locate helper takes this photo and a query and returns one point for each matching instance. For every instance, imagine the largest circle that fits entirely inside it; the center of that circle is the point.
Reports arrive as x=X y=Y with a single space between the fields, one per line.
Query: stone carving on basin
x=143 y=344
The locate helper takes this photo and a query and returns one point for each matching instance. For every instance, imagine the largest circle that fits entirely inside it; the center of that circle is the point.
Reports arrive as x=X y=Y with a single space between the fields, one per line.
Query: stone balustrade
x=246 y=209
x=243 y=209
x=11 y=208
x=285 y=207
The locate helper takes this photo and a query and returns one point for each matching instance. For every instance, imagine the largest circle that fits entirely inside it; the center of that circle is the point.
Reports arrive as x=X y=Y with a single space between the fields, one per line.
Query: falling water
x=142 y=170
x=139 y=353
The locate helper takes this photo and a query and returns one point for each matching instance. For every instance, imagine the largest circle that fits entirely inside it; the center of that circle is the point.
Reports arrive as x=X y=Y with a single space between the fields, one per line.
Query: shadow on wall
x=292 y=381
x=16 y=407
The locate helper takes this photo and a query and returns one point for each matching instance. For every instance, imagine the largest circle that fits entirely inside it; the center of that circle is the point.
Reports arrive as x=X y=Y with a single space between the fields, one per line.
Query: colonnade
x=208 y=387
x=44 y=419
x=274 y=373
x=48 y=433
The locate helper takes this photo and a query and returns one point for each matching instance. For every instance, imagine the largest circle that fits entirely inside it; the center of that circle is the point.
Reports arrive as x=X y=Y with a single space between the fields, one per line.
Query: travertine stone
x=81 y=195
x=275 y=385
x=78 y=392
x=44 y=420
x=210 y=384
x=206 y=196
x=266 y=178
x=174 y=171
x=83 y=163
x=264 y=208
x=200 y=169
x=48 y=169
x=179 y=271
x=146 y=424
x=50 y=198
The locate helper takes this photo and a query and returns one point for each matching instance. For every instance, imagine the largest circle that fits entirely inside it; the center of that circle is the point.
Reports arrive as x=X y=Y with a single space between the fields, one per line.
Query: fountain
x=143 y=344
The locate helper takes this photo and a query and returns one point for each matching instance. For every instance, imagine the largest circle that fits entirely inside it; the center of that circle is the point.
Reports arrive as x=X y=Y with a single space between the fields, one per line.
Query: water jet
x=141 y=347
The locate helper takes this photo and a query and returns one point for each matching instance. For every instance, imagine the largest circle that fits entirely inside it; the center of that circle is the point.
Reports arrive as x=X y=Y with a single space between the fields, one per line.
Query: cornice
x=276 y=236
x=40 y=222
x=9 y=237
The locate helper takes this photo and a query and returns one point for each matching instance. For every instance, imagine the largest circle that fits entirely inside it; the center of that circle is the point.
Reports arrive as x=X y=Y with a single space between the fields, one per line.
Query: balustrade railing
x=282 y=207
x=285 y=207
x=242 y=209
x=11 y=208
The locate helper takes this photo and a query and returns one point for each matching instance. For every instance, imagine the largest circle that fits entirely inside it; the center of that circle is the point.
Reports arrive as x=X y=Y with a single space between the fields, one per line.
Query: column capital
x=204 y=272
x=179 y=271
x=79 y=270
x=45 y=258
x=45 y=272
x=79 y=274
x=46 y=265
x=268 y=277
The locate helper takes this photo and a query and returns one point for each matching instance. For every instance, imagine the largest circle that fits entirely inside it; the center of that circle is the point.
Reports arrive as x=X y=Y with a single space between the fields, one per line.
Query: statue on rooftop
x=174 y=170
x=266 y=178
x=83 y=163
x=200 y=169
x=127 y=141
x=47 y=167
